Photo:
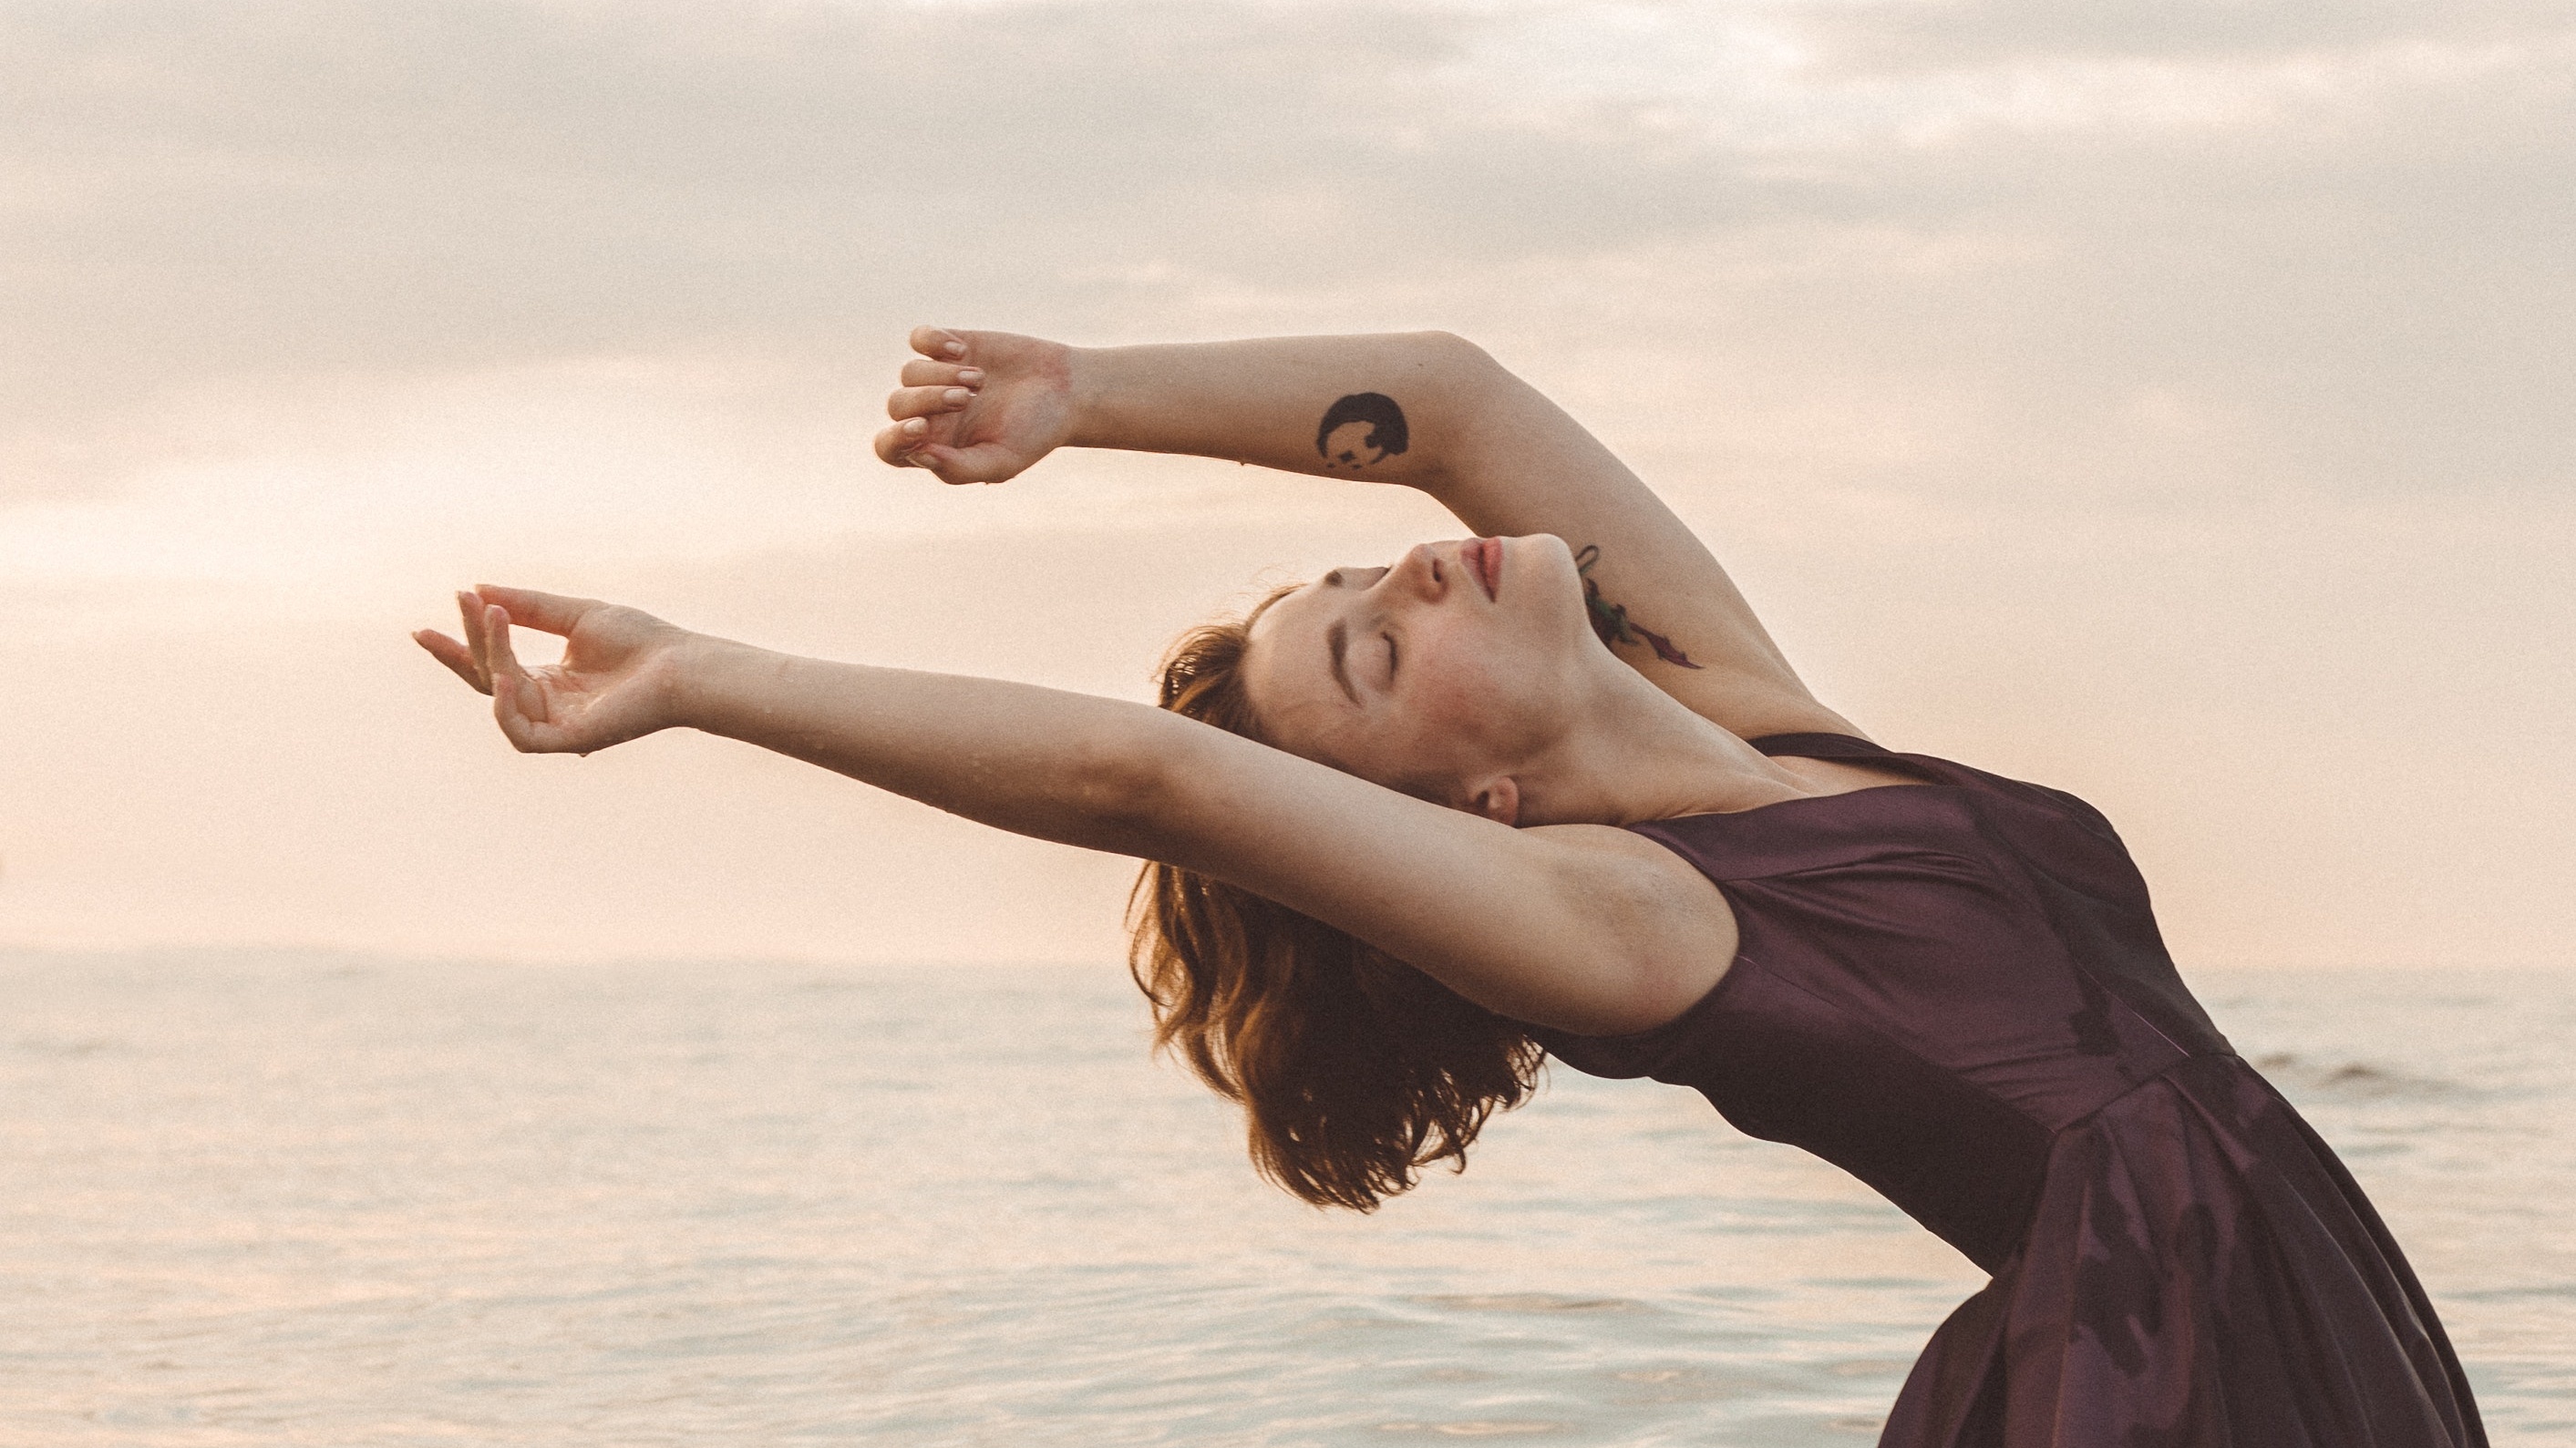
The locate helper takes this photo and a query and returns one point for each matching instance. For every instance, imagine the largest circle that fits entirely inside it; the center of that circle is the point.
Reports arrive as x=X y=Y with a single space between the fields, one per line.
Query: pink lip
x=1484 y=558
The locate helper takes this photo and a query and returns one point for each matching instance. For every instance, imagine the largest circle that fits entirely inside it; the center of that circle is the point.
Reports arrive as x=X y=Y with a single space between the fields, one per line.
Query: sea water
x=319 y=1200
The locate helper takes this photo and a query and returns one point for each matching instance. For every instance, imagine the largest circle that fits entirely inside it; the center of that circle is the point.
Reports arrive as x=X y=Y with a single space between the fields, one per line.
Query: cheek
x=1471 y=695
x=1528 y=693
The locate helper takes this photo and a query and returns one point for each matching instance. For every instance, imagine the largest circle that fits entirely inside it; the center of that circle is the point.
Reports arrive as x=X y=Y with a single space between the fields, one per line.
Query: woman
x=1561 y=774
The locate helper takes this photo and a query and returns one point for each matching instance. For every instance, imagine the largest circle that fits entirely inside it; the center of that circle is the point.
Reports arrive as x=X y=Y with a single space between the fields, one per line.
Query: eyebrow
x=1338 y=640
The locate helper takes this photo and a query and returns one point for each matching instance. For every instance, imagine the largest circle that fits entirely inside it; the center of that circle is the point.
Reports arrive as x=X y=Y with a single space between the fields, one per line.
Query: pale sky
x=2166 y=401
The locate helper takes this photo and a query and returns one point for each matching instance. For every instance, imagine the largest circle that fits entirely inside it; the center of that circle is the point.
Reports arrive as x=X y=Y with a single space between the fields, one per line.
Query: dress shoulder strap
x=1821 y=746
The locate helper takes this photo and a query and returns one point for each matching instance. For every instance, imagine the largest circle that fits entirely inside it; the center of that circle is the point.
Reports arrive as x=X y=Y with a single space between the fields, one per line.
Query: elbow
x=1454 y=356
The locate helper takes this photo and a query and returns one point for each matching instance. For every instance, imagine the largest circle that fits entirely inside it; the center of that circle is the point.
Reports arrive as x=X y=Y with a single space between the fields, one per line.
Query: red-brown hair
x=1354 y=1069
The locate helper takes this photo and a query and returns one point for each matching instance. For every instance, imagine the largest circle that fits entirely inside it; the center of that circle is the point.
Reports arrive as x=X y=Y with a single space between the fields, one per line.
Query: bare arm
x=1584 y=927
x=1425 y=410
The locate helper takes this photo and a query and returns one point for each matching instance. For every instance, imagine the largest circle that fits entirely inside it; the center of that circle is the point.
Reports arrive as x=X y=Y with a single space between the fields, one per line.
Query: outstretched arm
x=1426 y=410
x=1584 y=927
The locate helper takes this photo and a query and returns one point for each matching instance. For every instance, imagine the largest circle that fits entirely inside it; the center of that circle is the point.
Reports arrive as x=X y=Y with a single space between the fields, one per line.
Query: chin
x=1545 y=549
x=1544 y=559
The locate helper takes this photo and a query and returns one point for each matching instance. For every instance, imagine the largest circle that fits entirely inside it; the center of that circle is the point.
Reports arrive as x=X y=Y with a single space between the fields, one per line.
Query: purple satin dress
x=1957 y=993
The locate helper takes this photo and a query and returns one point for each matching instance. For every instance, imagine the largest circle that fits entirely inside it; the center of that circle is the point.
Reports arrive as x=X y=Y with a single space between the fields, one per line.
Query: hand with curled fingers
x=978 y=407
x=616 y=681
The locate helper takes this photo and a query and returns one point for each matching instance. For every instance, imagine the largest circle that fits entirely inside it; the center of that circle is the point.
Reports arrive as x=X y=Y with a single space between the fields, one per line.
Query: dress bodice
x=1955 y=990
x=1933 y=980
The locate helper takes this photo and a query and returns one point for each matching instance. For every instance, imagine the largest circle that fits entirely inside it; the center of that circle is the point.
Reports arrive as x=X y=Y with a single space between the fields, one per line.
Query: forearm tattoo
x=1363 y=428
x=1611 y=621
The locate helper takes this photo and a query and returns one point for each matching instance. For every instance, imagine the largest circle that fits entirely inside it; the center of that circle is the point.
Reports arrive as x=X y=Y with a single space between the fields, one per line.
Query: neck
x=1641 y=755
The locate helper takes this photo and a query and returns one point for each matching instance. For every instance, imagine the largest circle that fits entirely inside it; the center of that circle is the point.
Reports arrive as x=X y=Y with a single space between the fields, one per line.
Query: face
x=1437 y=675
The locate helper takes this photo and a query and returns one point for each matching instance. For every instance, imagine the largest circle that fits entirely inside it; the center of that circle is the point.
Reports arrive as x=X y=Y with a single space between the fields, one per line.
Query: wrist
x=702 y=681
x=1090 y=386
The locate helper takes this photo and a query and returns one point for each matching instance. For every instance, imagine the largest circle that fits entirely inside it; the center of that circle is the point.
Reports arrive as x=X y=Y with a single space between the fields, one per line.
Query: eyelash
x=1390 y=654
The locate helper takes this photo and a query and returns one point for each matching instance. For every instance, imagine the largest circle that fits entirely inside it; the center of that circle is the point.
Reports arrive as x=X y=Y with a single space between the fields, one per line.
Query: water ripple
x=312 y=1201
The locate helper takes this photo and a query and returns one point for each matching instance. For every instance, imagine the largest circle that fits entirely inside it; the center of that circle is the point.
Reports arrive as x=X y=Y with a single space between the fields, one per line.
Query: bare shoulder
x=1586 y=928
x=1660 y=934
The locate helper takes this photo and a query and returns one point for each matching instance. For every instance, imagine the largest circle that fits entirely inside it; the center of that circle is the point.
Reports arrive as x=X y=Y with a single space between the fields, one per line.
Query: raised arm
x=1425 y=410
x=1584 y=927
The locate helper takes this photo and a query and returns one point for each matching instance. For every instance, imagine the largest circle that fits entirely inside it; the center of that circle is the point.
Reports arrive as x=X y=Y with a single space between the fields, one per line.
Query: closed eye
x=1390 y=656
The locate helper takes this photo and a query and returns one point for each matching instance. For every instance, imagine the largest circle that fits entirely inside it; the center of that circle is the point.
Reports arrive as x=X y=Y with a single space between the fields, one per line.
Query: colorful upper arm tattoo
x=1611 y=621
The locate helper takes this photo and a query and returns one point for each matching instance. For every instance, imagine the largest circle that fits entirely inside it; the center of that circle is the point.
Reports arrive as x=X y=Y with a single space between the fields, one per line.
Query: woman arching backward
x=1553 y=790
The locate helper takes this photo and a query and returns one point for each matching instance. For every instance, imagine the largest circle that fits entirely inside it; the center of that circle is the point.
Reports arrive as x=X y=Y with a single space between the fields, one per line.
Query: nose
x=1420 y=572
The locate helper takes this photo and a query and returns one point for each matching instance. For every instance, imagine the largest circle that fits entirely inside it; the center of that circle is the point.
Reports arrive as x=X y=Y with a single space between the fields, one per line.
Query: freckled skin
x=1478 y=685
x=1506 y=706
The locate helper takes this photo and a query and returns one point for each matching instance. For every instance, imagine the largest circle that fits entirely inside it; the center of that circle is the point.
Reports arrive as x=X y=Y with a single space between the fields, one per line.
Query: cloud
x=1917 y=36
x=307 y=295
x=202 y=193
x=2188 y=377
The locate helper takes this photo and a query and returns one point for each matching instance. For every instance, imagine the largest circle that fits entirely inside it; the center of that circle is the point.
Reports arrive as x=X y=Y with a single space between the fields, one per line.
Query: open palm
x=978 y=407
x=613 y=684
